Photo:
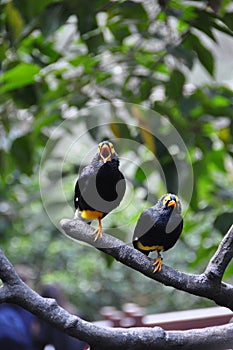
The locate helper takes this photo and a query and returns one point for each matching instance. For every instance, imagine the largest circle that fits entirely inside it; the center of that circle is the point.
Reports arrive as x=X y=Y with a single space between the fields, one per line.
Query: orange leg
x=158 y=263
x=98 y=230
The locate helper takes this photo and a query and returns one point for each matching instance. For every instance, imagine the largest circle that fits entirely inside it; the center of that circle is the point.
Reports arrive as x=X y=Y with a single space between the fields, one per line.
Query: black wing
x=144 y=224
x=82 y=182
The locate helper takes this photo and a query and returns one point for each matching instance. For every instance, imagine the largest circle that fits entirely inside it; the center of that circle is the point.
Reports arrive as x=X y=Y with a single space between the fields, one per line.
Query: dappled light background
x=152 y=80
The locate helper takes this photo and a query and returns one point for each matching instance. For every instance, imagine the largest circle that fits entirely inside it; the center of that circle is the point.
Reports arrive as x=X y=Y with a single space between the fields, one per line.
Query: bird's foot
x=97 y=232
x=158 y=264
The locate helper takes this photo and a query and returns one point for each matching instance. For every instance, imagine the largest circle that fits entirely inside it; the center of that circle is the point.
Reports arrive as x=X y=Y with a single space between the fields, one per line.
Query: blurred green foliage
x=60 y=59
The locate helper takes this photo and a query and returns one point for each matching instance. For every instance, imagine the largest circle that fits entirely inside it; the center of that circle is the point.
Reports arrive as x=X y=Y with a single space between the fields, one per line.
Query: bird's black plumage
x=159 y=227
x=100 y=186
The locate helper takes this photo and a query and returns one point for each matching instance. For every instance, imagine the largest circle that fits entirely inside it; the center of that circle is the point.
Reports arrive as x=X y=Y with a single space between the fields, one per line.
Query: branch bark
x=101 y=338
x=207 y=285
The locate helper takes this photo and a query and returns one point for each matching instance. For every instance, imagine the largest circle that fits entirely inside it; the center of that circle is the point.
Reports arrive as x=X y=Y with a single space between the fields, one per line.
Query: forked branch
x=101 y=338
x=208 y=285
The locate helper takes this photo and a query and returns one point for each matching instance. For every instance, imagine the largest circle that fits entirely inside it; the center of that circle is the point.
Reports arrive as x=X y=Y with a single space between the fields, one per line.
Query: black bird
x=100 y=186
x=159 y=227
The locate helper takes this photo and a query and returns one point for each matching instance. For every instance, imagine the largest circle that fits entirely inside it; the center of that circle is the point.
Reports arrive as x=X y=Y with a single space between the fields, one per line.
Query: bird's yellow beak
x=172 y=203
x=105 y=153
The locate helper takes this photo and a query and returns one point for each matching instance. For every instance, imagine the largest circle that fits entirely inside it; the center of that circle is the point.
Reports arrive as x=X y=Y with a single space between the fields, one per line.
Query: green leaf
x=6 y=165
x=228 y=20
x=21 y=150
x=29 y=9
x=40 y=48
x=174 y=87
x=146 y=59
x=204 y=21
x=140 y=176
x=42 y=121
x=204 y=55
x=53 y=17
x=186 y=56
x=146 y=87
x=119 y=30
x=220 y=101
x=38 y=6
x=14 y=19
x=88 y=62
x=21 y=75
x=132 y=13
x=222 y=28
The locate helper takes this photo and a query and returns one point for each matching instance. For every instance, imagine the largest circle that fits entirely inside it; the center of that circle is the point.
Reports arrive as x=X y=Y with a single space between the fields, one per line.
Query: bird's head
x=106 y=152
x=169 y=202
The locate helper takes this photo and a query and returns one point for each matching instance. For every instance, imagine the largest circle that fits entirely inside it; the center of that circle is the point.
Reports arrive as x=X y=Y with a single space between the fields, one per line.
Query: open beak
x=105 y=153
x=172 y=203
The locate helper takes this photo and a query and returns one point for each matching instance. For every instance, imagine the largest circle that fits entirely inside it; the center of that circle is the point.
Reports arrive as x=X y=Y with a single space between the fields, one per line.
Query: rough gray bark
x=207 y=285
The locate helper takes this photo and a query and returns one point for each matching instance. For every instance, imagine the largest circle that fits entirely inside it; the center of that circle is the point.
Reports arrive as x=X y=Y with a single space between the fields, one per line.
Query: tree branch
x=101 y=338
x=203 y=285
x=221 y=258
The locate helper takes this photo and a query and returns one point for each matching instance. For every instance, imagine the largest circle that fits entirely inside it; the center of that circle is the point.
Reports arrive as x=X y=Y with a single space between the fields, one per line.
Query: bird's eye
x=166 y=200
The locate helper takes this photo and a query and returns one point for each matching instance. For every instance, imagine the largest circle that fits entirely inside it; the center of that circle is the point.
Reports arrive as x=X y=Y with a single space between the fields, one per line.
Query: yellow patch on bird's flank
x=149 y=247
x=91 y=214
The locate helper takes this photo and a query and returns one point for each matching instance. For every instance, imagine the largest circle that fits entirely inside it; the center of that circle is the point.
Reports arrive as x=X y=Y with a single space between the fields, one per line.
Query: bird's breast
x=107 y=180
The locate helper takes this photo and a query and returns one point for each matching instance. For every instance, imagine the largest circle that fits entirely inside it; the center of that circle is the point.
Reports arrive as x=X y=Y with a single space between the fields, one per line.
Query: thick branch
x=101 y=338
x=200 y=285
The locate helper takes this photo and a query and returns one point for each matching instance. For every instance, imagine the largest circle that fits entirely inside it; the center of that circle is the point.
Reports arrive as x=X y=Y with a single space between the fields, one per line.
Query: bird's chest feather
x=167 y=230
x=166 y=223
x=163 y=228
x=106 y=181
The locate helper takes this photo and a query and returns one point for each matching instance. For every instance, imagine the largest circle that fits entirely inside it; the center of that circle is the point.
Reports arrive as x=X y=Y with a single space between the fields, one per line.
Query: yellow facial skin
x=170 y=201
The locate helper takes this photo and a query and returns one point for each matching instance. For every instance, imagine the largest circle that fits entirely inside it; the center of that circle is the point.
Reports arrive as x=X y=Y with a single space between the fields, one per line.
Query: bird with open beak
x=100 y=186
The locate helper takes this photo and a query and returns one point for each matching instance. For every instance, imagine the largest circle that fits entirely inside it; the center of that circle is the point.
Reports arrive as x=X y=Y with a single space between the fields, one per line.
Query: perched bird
x=100 y=186
x=159 y=227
